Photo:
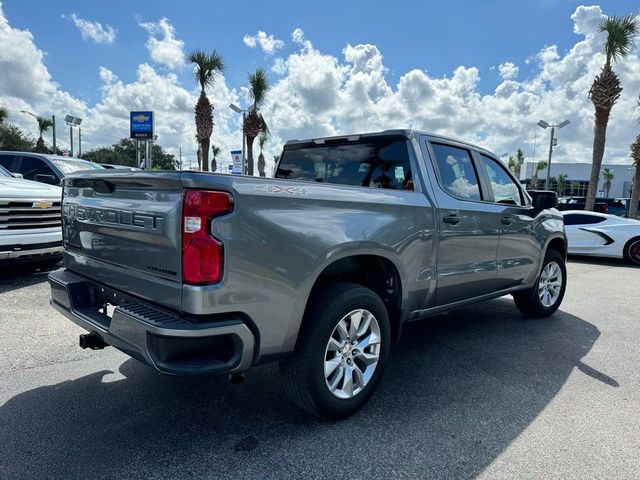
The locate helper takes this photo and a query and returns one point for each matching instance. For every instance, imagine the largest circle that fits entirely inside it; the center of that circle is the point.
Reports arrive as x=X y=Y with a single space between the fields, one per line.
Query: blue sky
x=483 y=71
x=434 y=36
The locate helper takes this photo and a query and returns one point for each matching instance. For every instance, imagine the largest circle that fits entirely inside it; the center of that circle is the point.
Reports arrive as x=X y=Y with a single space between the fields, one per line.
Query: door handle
x=452 y=218
x=506 y=220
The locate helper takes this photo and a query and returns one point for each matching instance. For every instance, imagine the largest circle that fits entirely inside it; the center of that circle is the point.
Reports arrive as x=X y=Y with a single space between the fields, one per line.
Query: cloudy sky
x=485 y=72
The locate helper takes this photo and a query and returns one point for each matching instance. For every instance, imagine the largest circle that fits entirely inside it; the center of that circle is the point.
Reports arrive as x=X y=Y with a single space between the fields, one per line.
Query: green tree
x=635 y=156
x=607 y=176
x=43 y=126
x=254 y=123
x=541 y=165
x=124 y=153
x=4 y=113
x=635 y=191
x=207 y=67
x=606 y=89
x=262 y=140
x=15 y=140
x=575 y=187
x=511 y=164
x=215 y=151
x=519 y=162
x=561 y=182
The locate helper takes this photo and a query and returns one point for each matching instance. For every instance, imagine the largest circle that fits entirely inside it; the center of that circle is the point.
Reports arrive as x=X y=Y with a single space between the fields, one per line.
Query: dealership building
x=579 y=173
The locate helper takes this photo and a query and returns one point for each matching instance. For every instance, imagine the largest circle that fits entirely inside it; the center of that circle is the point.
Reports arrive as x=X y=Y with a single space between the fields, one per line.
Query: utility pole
x=138 y=159
x=245 y=167
x=79 y=142
x=547 y=183
x=71 y=138
x=53 y=120
x=180 y=158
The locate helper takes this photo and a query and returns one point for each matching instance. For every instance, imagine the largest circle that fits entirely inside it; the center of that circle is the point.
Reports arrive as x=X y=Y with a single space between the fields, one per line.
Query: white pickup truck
x=30 y=220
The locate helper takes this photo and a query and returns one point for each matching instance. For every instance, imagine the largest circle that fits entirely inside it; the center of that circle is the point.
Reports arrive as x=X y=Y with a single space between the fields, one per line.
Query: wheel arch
x=372 y=270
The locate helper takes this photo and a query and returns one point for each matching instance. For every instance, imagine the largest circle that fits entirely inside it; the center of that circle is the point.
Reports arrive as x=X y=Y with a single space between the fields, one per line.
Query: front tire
x=545 y=297
x=342 y=349
x=632 y=251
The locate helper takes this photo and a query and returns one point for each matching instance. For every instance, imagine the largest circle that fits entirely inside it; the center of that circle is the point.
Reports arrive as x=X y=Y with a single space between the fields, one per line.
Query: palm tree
x=519 y=162
x=541 y=165
x=511 y=164
x=607 y=176
x=635 y=192
x=262 y=139
x=4 y=113
x=43 y=126
x=215 y=151
x=605 y=90
x=207 y=67
x=254 y=124
x=561 y=181
x=575 y=186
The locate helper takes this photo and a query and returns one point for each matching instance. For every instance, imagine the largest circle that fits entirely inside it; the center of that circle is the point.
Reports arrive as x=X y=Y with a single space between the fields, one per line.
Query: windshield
x=4 y=172
x=69 y=166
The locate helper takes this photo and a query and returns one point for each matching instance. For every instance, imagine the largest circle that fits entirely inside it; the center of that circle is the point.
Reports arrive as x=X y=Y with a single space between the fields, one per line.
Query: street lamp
x=53 y=126
x=237 y=109
x=74 y=122
x=552 y=143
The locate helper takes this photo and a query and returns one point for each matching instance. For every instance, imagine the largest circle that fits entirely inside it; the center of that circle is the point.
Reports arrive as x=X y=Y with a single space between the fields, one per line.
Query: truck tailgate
x=123 y=230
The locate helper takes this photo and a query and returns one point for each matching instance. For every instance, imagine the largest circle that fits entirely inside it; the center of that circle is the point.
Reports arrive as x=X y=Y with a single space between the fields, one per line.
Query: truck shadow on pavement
x=25 y=275
x=458 y=390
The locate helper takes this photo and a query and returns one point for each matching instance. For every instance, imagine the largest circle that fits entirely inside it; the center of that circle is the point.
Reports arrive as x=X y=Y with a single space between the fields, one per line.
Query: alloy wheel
x=352 y=354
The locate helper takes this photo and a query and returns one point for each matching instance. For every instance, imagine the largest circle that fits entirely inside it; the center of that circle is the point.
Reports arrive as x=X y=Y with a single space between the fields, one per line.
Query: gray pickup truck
x=320 y=267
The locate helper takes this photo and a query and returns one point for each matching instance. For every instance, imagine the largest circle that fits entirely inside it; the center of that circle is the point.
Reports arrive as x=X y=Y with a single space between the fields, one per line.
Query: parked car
x=30 y=219
x=44 y=168
x=602 y=235
x=320 y=267
x=120 y=167
x=578 y=203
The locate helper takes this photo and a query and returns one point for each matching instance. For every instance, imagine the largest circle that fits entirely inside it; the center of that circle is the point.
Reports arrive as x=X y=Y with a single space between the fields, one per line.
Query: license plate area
x=102 y=303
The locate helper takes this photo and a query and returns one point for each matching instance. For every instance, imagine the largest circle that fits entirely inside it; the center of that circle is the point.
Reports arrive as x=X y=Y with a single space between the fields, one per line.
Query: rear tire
x=341 y=353
x=632 y=251
x=544 y=298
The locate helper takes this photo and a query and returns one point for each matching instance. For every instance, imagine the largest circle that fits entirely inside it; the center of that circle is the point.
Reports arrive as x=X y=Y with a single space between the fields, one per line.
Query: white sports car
x=602 y=235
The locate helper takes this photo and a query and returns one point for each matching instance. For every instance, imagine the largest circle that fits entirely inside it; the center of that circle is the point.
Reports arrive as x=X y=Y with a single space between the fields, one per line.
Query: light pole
x=53 y=127
x=552 y=143
x=237 y=109
x=74 y=122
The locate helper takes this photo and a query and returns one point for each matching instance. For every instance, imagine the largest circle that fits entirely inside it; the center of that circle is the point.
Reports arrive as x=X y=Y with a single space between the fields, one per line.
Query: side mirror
x=17 y=175
x=543 y=199
x=50 y=179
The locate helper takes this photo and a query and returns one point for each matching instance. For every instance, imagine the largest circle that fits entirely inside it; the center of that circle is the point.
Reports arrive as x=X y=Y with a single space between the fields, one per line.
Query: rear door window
x=456 y=172
x=379 y=162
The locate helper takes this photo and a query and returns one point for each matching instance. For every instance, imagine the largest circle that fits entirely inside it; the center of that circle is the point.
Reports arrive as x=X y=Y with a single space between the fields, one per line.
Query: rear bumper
x=154 y=336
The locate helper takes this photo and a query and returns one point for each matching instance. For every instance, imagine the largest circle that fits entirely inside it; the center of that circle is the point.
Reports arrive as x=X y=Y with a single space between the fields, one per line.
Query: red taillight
x=202 y=253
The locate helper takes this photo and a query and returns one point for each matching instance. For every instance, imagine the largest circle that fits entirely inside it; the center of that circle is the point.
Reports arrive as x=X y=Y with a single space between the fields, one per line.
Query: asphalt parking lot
x=479 y=393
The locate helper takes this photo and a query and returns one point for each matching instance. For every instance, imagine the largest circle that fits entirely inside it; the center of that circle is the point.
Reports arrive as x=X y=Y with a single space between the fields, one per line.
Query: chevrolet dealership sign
x=141 y=125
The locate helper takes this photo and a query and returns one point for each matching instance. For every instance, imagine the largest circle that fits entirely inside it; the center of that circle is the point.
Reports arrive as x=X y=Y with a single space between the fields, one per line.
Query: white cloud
x=508 y=70
x=279 y=66
x=267 y=43
x=163 y=45
x=94 y=31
